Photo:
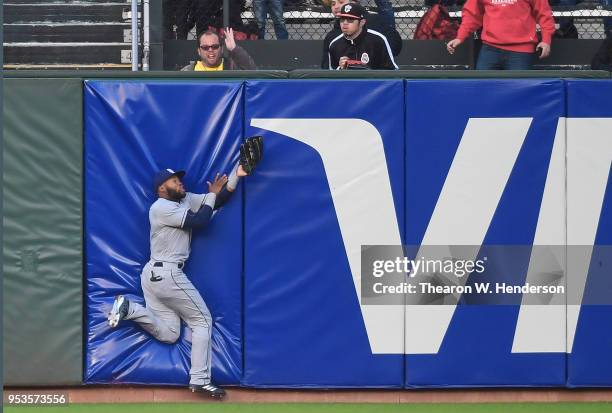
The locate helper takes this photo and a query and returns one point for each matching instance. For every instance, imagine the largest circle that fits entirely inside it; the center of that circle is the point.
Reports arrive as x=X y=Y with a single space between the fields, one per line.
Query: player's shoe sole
x=118 y=312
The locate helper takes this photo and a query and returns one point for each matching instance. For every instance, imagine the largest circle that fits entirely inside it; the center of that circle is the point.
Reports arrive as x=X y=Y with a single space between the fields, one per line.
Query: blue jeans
x=385 y=11
x=276 y=12
x=492 y=58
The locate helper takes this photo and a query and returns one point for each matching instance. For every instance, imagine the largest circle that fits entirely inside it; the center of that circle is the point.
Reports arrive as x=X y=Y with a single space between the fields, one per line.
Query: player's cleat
x=119 y=311
x=208 y=389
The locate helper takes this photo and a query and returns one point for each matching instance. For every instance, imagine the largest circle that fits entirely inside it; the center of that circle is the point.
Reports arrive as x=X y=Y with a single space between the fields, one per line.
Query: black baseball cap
x=163 y=175
x=352 y=11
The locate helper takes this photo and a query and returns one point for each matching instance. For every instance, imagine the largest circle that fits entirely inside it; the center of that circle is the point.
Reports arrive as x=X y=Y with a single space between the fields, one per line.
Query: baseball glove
x=251 y=152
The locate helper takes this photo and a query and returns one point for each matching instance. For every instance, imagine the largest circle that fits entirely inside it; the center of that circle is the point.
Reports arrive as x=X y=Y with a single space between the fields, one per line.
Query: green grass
x=323 y=408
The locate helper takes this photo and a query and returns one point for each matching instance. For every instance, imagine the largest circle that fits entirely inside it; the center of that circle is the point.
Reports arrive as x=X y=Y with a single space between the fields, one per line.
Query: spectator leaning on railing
x=509 y=36
x=374 y=22
x=211 y=53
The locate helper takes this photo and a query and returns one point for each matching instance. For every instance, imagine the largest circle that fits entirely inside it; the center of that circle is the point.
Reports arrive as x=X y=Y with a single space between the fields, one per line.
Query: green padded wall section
x=42 y=229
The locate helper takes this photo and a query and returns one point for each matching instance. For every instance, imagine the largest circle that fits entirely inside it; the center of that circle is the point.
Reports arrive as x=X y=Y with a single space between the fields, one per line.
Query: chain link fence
x=311 y=19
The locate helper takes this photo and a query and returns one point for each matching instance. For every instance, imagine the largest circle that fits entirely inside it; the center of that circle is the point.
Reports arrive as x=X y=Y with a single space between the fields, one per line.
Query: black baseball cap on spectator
x=352 y=11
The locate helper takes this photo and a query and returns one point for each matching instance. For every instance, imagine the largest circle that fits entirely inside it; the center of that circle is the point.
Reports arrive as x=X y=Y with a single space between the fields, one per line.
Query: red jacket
x=508 y=24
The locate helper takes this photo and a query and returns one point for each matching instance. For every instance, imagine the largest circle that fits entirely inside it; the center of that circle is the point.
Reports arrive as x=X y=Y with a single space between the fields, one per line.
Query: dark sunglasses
x=212 y=46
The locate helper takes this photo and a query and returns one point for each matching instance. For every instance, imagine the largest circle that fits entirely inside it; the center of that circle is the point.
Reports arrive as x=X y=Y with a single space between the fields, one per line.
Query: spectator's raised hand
x=230 y=43
x=544 y=49
x=452 y=45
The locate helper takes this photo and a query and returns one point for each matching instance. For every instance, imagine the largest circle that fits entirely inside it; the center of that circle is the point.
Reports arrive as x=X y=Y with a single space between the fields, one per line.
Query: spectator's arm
x=189 y=67
x=543 y=16
x=387 y=57
x=471 y=18
x=335 y=32
x=333 y=62
x=395 y=40
x=242 y=59
x=378 y=23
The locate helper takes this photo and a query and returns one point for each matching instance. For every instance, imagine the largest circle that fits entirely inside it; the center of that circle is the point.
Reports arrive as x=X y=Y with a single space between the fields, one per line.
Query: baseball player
x=169 y=294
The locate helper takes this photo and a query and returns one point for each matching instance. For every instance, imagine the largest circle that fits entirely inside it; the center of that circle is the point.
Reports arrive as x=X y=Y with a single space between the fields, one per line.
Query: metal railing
x=311 y=20
x=135 y=36
x=142 y=21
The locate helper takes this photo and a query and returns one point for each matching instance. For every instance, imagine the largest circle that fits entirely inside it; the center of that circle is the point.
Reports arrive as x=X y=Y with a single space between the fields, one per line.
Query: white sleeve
x=210 y=199
x=170 y=214
x=232 y=181
x=195 y=201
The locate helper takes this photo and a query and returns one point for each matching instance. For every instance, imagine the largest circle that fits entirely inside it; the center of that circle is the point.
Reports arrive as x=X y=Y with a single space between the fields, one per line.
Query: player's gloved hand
x=240 y=172
x=217 y=185
x=251 y=152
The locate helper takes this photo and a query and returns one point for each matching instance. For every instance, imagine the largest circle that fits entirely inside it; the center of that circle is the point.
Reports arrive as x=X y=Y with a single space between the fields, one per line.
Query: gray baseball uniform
x=169 y=294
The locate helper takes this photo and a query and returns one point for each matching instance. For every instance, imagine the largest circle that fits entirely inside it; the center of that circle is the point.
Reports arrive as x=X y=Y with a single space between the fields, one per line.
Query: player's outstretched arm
x=201 y=218
x=251 y=152
x=232 y=183
x=198 y=219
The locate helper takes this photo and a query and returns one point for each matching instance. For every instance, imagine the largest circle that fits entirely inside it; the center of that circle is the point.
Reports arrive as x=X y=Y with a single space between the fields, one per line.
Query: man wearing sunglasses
x=358 y=47
x=211 y=52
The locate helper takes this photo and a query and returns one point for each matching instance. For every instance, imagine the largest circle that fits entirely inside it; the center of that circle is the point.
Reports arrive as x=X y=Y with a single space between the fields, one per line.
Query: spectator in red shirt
x=509 y=37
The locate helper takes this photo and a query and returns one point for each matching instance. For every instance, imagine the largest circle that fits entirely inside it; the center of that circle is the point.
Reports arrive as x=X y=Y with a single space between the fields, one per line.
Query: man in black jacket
x=375 y=22
x=358 y=47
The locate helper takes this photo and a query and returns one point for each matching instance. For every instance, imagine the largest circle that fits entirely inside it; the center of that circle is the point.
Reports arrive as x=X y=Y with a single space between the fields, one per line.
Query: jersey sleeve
x=384 y=55
x=195 y=201
x=170 y=214
x=325 y=57
x=387 y=61
x=333 y=58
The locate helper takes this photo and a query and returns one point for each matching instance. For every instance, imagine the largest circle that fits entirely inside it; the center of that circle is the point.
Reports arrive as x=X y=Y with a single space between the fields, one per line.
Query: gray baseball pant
x=170 y=297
